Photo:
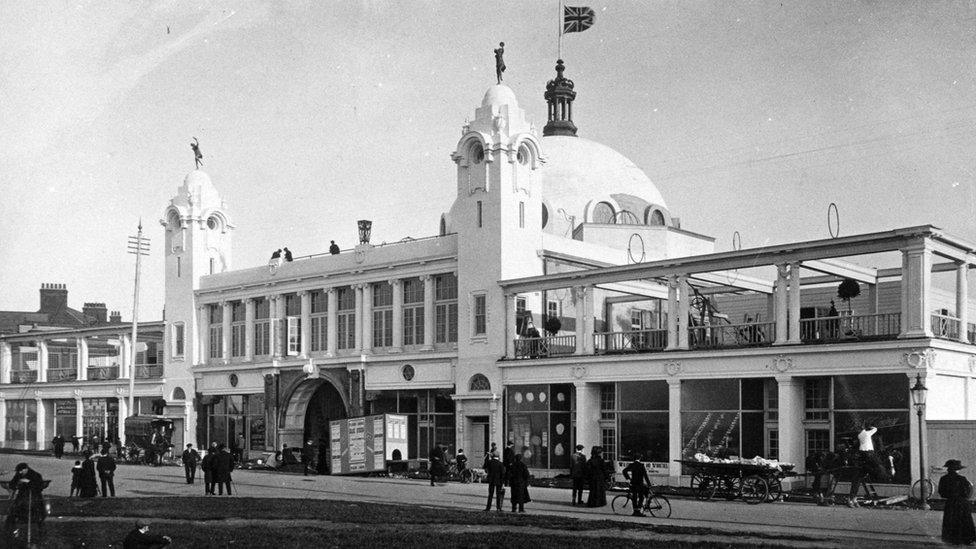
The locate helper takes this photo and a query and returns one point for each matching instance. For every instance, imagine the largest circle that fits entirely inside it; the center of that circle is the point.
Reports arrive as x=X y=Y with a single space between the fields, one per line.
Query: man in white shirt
x=865 y=444
x=866 y=458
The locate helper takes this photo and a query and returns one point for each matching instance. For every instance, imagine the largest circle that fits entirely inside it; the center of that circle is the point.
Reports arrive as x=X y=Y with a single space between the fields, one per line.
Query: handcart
x=749 y=482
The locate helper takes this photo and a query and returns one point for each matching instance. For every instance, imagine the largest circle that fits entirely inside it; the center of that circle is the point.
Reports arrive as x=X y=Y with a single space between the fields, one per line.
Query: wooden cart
x=751 y=483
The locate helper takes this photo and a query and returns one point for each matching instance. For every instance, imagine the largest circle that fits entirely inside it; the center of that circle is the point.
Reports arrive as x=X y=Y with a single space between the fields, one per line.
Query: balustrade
x=103 y=372
x=540 y=347
x=23 y=376
x=636 y=341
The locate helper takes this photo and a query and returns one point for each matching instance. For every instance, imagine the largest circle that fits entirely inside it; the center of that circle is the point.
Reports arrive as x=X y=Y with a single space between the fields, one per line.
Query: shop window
x=866 y=392
x=816 y=398
x=644 y=434
x=643 y=395
x=608 y=439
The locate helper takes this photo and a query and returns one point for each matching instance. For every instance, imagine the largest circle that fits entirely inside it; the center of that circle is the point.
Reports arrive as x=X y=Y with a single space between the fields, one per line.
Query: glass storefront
x=540 y=423
x=237 y=421
x=21 y=421
x=100 y=417
x=723 y=416
x=430 y=417
x=65 y=418
x=642 y=419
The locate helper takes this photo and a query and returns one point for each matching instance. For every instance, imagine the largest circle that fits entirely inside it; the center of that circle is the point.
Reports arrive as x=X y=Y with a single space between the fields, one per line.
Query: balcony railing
x=945 y=326
x=103 y=372
x=149 y=371
x=539 y=347
x=62 y=374
x=717 y=336
x=23 y=376
x=846 y=328
x=637 y=341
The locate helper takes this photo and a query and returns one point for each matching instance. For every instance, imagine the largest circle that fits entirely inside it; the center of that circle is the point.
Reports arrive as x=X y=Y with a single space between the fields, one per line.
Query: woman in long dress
x=957 y=519
x=519 y=482
x=596 y=475
x=87 y=483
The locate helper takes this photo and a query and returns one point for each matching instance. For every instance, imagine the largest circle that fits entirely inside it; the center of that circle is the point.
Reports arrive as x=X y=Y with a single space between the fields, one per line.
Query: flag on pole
x=577 y=19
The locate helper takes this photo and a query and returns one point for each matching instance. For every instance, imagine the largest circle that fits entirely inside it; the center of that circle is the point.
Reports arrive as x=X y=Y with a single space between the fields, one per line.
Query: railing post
x=42 y=361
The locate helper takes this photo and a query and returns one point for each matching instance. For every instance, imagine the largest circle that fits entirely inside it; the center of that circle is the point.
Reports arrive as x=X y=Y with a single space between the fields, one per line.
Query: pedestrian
x=957 y=518
x=492 y=450
x=640 y=484
x=496 y=481
x=106 y=473
x=461 y=461
x=74 y=443
x=207 y=466
x=308 y=457
x=190 y=458
x=140 y=538
x=867 y=460
x=508 y=458
x=223 y=465
x=518 y=478
x=334 y=249
x=287 y=254
x=58 y=443
x=88 y=485
x=577 y=470
x=75 y=480
x=322 y=464
x=596 y=475
x=26 y=485
x=437 y=467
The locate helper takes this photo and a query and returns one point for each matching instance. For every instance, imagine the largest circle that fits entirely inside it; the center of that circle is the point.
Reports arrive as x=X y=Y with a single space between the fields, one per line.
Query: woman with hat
x=957 y=519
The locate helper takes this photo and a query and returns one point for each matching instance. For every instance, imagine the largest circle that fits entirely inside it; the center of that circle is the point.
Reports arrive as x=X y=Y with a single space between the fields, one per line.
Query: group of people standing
x=592 y=473
x=83 y=474
x=510 y=471
x=281 y=253
x=216 y=465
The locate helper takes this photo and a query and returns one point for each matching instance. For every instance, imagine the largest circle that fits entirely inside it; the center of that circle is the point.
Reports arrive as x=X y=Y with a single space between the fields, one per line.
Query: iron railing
x=23 y=376
x=843 y=328
x=149 y=371
x=636 y=341
x=716 y=336
x=62 y=374
x=103 y=372
x=540 y=347
x=945 y=326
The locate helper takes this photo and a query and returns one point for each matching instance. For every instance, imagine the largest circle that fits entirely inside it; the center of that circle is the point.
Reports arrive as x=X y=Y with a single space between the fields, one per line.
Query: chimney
x=116 y=318
x=97 y=311
x=54 y=297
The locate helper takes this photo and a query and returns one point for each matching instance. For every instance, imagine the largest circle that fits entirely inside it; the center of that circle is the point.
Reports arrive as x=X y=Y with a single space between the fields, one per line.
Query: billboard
x=364 y=444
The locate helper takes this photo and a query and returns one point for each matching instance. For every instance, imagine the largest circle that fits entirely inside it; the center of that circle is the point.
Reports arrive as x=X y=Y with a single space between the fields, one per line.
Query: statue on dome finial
x=197 y=155
x=499 y=62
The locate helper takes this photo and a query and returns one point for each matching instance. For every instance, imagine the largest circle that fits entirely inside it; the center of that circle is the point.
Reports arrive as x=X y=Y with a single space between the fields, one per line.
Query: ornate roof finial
x=197 y=155
x=499 y=62
x=560 y=95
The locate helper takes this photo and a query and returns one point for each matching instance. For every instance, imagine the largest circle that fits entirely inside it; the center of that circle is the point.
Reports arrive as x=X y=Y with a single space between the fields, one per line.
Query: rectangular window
x=608 y=401
x=320 y=321
x=179 y=339
x=237 y=329
x=216 y=331
x=413 y=311
x=382 y=315
x=445 y=308
x=480 y=314
x=773 y=443
x=816 y=397
x=211 y=265
x=521 y=215
x=294 y=335
x=179 y=267
x=479 y=215
x=262 y=327
x=346 y=318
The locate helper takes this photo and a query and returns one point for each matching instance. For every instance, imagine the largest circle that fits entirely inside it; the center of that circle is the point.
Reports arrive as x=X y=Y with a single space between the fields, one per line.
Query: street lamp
x=919 y=392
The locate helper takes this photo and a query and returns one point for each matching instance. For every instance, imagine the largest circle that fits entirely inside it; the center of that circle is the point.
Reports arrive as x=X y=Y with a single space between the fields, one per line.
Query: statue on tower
x=499 y=62
x=197 y=155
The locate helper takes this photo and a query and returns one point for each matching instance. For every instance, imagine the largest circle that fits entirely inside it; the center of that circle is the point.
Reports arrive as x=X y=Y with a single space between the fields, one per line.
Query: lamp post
x=918 y=400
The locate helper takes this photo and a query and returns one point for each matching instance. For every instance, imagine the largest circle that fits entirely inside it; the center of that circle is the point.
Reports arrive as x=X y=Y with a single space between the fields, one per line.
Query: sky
x=748 y=116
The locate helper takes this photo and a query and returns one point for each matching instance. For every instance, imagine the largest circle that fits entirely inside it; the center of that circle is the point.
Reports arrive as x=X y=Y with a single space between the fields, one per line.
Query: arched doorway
x=312 y=405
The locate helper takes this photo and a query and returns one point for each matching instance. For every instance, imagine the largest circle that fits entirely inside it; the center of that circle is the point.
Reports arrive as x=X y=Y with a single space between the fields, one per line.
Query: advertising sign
x=653 y=467
x=364 y=444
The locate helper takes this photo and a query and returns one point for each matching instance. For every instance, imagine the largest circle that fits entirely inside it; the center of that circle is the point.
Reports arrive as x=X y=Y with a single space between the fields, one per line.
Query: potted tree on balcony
x=848 y=290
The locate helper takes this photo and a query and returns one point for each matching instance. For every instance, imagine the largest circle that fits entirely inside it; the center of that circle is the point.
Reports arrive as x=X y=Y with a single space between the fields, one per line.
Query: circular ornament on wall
x=407 y=372
x=233 y=380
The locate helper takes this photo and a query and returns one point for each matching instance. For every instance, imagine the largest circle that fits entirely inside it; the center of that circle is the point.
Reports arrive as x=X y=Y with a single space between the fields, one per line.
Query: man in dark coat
x=223 y=465
x=88 y=485
x=58 y=443
x=308 y=457
x=496 y=481
x=518 y=477
x=140 y=538
x=957 y=519
x=190 y=458
x=640 y=483
x=508 y=458
x=106 y=473
x=28 y=500
x=577 y=470
x=207 y=465
x=74 y=443
x=334 y=248
x=596 y=475
x=437 y=460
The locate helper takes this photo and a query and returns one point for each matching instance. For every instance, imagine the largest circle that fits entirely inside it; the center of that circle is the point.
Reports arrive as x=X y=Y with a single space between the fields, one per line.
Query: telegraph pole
x=139 y=246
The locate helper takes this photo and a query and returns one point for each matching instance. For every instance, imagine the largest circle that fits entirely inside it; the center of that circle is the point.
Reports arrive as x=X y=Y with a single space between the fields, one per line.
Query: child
x=75 y=476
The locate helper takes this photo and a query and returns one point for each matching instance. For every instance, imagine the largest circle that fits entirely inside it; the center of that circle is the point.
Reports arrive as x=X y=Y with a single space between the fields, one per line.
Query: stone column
x=587 y=414
x=790 y=422
x=3 y=421
x=280 y=324
x=962 y=300
x=306 y=324
x=794 y=303
x=510 y=324
x=80 y=416
x=333 y=320
x=579 y=303
x=357 y=324
x=225 y=346
x=674 y=432
x=42 y=361
x=81 y=346
x=673 y=323
x=916 y=316
x=588 y=296
x=397 y=314
x=203 y=334
x=249 y=314
x=684 y=325
x=428 y=281
x=6 y=363
x=782 y=331
x=41 y=424
x=366 y=325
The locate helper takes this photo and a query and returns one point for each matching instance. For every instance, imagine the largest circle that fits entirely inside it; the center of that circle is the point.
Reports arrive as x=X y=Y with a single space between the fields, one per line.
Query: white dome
x=580 y=172
x=498 y=95
x=198 y=184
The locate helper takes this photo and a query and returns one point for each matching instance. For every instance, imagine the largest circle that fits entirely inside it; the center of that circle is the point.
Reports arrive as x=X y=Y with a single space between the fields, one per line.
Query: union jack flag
x=577 y=19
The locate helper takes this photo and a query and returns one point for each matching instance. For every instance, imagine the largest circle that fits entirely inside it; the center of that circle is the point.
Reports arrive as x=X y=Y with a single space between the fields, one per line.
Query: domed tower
x=497 y=216
x=197 y=242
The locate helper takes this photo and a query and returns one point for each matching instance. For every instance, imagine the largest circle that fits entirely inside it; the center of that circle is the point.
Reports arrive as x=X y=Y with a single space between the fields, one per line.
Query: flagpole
x=559 y=28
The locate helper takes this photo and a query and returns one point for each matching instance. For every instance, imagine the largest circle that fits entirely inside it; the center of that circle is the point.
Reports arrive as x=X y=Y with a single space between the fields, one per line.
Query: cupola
x=560 y=96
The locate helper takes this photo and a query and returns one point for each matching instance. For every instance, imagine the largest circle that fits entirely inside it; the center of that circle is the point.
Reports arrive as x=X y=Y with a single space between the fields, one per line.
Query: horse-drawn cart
x=751 y=482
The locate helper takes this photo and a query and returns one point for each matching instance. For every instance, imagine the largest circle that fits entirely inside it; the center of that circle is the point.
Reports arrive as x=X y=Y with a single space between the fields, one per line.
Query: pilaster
x=579 y=304
x=674 y=431
x=279 y=340
x=42 y=361
x=790 y=423
x=366 y=324
x=587 y=414
x=80 y=415
x=510 y=325
x=249 y=319
x=203 y=334
x=397 y=314
x=683 y=306
x=358 y=338
x=6 y=362
x=226 y=322
x=306 y=324
x=333 y=322
x=41 y=424
x=428 y=281
x=673 y=322
x=81 y=349
x=962 y=300
x=916 y=319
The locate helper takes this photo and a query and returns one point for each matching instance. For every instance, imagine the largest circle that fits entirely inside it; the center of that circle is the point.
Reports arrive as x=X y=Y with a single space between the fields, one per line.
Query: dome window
x=654 y=218
x=477 y=153
x=603 y=213
x=624 y=217
x=524 y=155
x=213 y=223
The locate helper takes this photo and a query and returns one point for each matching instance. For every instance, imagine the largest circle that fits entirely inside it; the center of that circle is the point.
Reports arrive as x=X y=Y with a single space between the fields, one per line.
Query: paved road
x=902 y=525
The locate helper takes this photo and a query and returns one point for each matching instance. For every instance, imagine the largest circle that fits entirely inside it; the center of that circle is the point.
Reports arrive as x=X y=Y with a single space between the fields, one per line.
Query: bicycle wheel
x=621 y=504
x=659 y=506
x=754 y=490
x=922 y=489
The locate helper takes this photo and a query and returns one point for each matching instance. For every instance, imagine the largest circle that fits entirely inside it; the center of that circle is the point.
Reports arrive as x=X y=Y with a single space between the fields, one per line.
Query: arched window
x=479 y=383
x=477 y=153
x=654 y=217
x=603 y=213
x=524 y=155
x=179 y=394
x=624 y=217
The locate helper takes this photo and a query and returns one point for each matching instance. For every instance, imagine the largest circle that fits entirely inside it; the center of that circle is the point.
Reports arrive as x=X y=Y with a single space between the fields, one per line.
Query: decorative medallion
x=781 y=364
x=407 y=372
x=311 y=370
x=578 y=372
x=919 y=358
x=233 y=380
x=273 y=265
x=673 y=368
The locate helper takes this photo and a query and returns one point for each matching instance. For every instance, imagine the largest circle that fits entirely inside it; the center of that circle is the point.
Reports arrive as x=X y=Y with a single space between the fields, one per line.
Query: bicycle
x=657 y=505
x=465 y=475
x=920 y=492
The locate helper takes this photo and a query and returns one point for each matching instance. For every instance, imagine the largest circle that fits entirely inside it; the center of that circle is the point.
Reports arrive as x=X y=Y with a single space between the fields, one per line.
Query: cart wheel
x=775 y=489
x=696 y=479
x=730 y=488
x=706 y=489
x=754 y=490
x=621 y=504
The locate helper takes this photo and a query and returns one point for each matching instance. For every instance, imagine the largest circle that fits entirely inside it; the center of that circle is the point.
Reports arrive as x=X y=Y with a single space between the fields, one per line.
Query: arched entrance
x=313 y=404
